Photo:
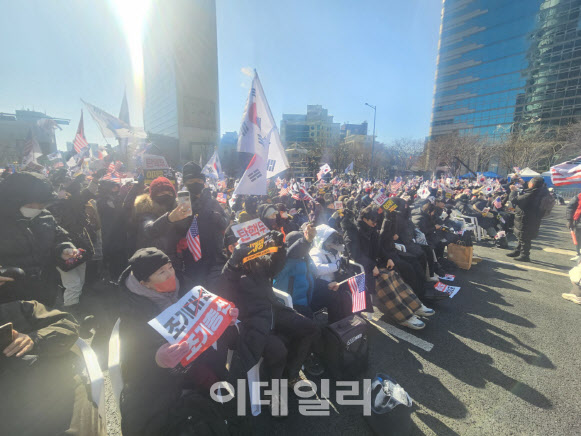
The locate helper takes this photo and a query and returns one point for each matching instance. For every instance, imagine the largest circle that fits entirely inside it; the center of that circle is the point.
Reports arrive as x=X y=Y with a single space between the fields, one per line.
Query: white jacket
x=327 y=263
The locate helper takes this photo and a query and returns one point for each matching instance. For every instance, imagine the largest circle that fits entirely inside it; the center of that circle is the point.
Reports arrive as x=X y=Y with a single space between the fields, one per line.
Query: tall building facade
x=180 y=60
x=315 y=127
x=14 y=131
x=506 y=65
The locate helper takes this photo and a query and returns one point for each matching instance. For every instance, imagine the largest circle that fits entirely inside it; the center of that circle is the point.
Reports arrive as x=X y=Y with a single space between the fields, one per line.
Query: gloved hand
x=570 y=225
x=233 y=312
x=168 y=356
x=239 y=253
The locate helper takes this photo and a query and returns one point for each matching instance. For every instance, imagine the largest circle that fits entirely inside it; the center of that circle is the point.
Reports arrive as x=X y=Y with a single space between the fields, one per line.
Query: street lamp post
x=372 y=139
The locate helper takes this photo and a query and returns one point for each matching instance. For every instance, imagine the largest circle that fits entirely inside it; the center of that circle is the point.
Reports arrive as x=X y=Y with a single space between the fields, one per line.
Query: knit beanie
x=147 y=261
x=161 y=185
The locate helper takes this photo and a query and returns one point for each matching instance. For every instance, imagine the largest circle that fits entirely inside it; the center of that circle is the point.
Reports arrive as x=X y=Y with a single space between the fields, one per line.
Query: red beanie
x=160 y=185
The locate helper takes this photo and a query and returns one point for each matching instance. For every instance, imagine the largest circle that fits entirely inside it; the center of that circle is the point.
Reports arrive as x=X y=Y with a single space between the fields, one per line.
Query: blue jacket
x=297 y=277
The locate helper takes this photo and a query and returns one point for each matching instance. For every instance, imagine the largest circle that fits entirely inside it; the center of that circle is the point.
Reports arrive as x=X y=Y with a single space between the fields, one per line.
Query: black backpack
x=346 y=348
x=546 y=202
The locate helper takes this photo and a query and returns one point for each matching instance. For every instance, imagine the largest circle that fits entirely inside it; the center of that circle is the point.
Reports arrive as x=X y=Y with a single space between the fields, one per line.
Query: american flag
x=80 y=142
x=357 y=288
x=498 y=203
x=193 y=239
x=567 y=173
x=284 y=190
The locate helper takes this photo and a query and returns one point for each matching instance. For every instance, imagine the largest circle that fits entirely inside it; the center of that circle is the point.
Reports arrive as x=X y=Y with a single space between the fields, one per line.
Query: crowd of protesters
x=62 y=233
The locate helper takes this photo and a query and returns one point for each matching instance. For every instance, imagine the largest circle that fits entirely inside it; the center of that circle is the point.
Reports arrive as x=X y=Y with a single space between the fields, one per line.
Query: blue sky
x=332 y=52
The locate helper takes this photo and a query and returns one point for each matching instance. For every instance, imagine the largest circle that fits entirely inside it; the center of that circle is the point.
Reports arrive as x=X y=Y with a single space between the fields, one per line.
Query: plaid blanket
x=396 y=297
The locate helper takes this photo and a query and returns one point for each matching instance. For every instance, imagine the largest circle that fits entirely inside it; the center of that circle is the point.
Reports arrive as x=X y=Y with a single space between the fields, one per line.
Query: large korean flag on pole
x=257 y=123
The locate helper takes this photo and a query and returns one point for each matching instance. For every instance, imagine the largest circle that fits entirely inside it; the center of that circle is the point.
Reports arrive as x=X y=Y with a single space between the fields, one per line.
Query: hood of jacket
x=323 y=233
x=144 y=205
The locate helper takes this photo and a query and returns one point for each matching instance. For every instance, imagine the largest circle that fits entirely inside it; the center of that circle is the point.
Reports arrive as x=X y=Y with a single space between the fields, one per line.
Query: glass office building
x=504 y=65
x=180 y=66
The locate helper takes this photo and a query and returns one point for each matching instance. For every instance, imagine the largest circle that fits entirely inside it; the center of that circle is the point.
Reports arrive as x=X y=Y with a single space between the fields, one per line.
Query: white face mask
x=29 y=212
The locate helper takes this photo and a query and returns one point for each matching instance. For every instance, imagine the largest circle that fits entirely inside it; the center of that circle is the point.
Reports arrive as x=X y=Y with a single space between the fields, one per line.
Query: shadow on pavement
x=435 y=425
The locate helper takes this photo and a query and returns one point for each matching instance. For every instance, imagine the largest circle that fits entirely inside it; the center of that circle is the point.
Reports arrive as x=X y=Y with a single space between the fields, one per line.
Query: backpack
x=346 y=349
x=546 y=202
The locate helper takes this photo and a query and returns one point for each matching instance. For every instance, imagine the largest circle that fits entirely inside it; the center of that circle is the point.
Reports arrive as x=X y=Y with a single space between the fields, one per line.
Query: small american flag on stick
x=193 y=240
x=357 y=288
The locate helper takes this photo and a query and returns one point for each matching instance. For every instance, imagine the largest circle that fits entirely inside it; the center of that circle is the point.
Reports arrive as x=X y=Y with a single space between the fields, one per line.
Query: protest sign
x=152 y=174
x=448 y=277
x=450 y=290
x=221 y=197
x=198 y=318
x=250 y=231
x=338 y=205
x=389 y=205
x=380 y=199
x=153 y=162
x=260 y=247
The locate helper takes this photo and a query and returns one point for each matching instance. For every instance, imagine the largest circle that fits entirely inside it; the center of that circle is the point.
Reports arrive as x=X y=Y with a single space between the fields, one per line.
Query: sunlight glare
x=131 y=16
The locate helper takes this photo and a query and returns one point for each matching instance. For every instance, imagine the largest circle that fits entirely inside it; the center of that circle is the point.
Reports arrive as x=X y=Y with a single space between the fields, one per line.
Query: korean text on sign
x=198 y=318
x=380 y=199
x=250 y=230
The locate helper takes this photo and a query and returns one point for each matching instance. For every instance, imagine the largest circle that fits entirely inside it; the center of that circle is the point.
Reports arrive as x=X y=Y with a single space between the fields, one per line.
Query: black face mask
x=195 y=188
x=166 y=201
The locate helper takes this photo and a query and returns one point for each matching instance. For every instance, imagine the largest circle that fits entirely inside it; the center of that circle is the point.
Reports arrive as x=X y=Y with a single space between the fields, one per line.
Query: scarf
x=161 y=299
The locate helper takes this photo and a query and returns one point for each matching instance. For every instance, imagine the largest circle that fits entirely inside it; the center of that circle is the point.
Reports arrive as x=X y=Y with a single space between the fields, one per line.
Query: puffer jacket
x=326 y=263
x=527 y=217
x=33 y=244
x=44 y=379
x=145 y=213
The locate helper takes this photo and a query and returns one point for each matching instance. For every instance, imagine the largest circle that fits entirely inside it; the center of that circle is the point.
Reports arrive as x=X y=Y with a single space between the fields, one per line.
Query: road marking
x=559 y=251
x=388 y=329
x=527 y=266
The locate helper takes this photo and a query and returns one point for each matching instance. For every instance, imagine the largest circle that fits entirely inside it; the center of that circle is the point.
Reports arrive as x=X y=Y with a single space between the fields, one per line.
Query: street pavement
x=500 y=358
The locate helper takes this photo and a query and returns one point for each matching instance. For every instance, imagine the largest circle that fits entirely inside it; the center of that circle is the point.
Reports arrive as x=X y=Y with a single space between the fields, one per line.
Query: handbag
x=461 y=255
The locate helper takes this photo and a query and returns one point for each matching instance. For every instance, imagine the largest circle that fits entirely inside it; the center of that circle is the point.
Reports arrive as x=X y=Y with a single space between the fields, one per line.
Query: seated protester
x=284 y=222
x=405 y=230
x=152 y=388
x=268 y=329
x=444 y=215
x=486 y=219
x=362 y=244
x=268 y=214
x=407 y=265
x=326 y=256
x=464 y=207
x=398 y=301
x=31 y=238
x=249 y=211
x=39 y=385
x=426 y=223
x=297 y=276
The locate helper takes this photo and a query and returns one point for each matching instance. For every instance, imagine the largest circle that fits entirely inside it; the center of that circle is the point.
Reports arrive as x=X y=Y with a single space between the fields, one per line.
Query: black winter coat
x=113 y=225
x=45 y=387
x=254 y=297
x=362 y=245
x=71 y=215
x=527 y=216
x=33 y=245
x=149 y=392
